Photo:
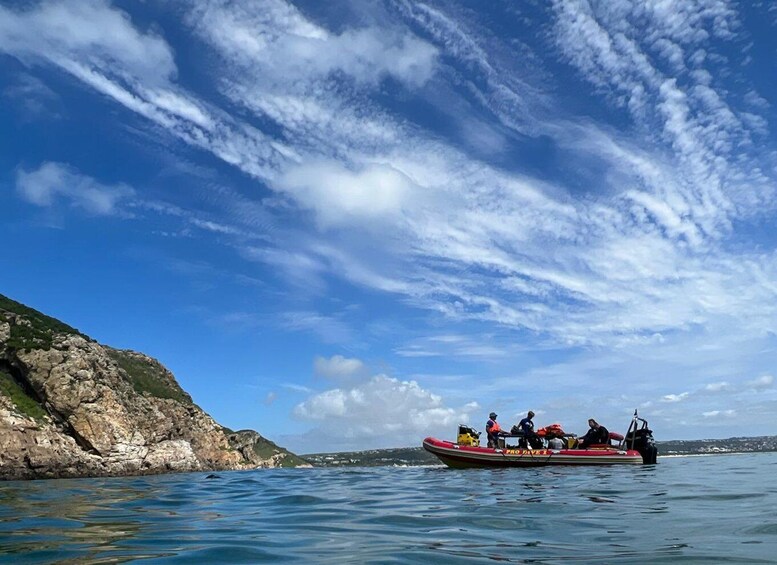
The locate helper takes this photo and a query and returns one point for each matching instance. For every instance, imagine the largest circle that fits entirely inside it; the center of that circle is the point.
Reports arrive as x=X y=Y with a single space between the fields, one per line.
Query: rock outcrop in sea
x=71 y=407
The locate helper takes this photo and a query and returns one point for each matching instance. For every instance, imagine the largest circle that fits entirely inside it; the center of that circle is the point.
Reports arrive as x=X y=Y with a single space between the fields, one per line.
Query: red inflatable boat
x=636 y=448
x=461 y=456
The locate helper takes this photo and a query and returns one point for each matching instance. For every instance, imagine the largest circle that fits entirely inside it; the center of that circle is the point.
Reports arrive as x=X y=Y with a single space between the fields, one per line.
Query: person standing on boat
x=527 y=429
x=492 y=430
x=596 y=434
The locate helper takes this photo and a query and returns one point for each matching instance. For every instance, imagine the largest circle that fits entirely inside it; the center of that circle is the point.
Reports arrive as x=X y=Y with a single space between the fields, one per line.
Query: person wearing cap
x=492 y=430
x=527 y=429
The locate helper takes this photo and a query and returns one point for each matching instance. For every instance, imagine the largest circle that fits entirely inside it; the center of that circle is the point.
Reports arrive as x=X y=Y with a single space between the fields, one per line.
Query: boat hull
x=462 y=456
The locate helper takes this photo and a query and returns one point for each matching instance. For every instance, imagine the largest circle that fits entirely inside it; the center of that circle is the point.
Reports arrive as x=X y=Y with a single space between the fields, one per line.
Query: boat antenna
x=632 y=437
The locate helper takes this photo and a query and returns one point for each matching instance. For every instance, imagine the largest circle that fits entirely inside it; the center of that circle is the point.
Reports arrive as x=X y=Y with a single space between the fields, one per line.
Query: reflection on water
x=48 y=518
x=719 y=509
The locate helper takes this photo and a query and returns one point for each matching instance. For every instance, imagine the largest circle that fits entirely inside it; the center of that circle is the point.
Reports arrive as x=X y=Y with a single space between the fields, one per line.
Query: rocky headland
x=71 y=407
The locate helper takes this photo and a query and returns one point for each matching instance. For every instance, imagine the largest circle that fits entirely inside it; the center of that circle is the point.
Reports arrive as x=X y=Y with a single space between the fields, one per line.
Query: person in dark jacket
x=527 y=429
x=597 y=434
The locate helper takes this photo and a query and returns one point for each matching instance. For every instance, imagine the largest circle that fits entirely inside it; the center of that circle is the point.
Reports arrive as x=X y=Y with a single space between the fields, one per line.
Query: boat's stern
x=640 y=438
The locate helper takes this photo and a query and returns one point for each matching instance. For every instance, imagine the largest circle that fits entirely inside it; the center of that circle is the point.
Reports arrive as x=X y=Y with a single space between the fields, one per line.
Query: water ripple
x=699 y=510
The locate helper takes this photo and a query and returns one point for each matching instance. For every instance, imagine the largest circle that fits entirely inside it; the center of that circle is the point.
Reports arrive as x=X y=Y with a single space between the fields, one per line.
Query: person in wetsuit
x=596 y=434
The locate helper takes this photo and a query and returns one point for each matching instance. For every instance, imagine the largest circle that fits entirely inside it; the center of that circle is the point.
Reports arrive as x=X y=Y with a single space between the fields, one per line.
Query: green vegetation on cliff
x=23 y=402
x=30 y=386
x=265 y=449
x=36 y=331
x=255 y=447
x=148 y=377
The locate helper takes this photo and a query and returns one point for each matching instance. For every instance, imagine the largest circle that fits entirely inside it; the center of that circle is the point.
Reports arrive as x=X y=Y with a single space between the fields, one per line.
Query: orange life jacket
x=493 y=428
x=553 y=430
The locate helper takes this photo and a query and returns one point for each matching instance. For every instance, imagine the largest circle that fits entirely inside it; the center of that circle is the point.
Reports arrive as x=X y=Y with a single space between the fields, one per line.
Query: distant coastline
x=416 y=456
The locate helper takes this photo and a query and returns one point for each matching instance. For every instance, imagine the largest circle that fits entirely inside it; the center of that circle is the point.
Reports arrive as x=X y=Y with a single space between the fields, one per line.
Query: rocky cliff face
x=70 y=407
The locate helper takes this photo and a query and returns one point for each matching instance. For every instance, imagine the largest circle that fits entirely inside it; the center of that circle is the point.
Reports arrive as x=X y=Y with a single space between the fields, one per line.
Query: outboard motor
x=640 y=437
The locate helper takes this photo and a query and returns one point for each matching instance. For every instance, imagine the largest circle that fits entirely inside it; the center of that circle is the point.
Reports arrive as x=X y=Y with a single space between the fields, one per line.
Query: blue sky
x=354 y=224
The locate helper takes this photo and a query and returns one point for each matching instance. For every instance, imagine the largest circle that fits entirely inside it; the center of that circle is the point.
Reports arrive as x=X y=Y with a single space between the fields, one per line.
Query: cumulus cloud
x=53 y=183
x=675 y=397
x=382 y=410
x=717 y=387
x=338 y=368
x=341 y=196
x=761 y=383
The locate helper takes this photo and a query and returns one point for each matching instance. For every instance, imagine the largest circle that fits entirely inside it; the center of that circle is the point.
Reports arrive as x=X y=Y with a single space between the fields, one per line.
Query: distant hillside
x=403 y=456
x=70 y=407
x=730 y=445
x=414 y=456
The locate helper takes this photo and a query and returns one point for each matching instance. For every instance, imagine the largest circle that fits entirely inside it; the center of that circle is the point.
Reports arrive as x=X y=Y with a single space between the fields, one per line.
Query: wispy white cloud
x=297 y=388
x=330 y=329
x=52 y=184
x=457 y=346
x=470 y=240
x=288 y=47
x=675 y=397
x=100 y=46
x=504 y=86
x=34 y=97
x=727 y=414
x=613 y=46
x=90 y=31
x=631 y=255
x=303 y=269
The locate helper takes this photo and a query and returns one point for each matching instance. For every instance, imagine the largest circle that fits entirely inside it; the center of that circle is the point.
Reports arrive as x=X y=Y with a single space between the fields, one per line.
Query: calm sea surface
x=717 y=509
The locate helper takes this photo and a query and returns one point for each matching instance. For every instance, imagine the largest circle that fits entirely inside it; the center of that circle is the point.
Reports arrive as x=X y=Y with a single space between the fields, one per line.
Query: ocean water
x=715 y=509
